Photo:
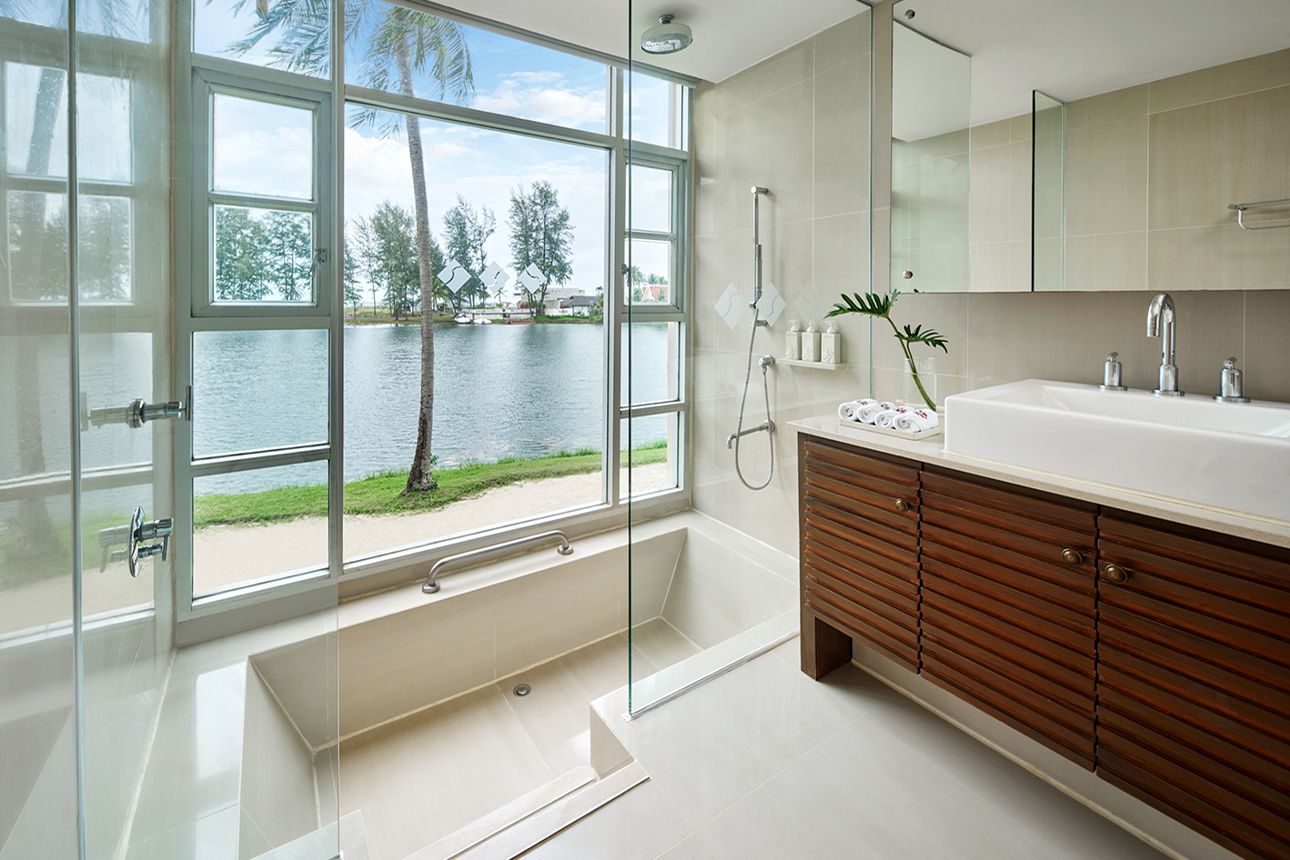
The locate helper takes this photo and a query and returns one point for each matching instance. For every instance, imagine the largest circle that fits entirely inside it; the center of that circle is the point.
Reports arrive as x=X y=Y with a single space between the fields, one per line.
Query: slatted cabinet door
x=859 y=545
x=1009 y=606
x=1194 y=679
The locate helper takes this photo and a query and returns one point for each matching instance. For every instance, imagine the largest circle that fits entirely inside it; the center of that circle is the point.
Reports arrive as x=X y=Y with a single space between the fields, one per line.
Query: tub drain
x=522 y=689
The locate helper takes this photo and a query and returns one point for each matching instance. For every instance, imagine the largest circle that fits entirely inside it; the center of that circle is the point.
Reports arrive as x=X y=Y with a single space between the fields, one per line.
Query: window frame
x=301 y=591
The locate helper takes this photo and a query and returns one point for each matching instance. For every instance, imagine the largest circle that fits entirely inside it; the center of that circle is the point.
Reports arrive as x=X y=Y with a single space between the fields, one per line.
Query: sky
x=484 y=166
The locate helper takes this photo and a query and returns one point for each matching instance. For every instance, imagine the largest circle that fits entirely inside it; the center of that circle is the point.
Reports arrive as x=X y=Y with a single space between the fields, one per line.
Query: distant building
x=578 y=306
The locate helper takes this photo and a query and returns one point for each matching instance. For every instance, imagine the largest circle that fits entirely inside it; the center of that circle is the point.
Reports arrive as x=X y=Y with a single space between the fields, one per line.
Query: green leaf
x=931 y=337
x=866 y=304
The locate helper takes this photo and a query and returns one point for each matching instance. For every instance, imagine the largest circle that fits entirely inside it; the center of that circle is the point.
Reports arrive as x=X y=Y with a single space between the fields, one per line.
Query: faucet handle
x=1231 y=384
x=1113 y=374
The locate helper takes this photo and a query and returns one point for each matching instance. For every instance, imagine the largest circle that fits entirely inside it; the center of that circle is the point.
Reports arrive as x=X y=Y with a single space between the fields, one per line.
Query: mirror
x=1146 y=179
x=931 y=91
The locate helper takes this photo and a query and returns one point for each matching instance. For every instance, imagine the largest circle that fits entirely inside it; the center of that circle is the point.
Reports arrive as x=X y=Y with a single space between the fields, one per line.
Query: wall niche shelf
x=818 y=365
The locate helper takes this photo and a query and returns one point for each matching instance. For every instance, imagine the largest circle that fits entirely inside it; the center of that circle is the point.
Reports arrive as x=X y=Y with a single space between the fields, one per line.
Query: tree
x=541 y=234
x=394 y=257
x=399 y=44
x=353 y=296
x=465 y=233
x=241 y=272
x=287 y=254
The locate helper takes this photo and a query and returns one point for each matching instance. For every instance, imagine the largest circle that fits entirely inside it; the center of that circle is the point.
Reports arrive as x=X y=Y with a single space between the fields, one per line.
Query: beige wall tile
x=1106 y=177
x=1209 y=155
x=844 y=43
x=1266 y=358
x=1219 y=258
x=1106 y=107
x=841 y=139
x=770 y=142
x=788 y=67
x=1221 y=82
x=990 y=199
x=990 y=134
x=1109 y=262
x=1019 y=127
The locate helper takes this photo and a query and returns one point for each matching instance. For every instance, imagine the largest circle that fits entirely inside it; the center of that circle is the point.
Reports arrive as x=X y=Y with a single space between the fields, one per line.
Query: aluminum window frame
x=293 y=593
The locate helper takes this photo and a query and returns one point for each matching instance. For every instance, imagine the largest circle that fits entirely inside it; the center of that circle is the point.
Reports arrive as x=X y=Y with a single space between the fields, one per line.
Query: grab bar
x=432 y=581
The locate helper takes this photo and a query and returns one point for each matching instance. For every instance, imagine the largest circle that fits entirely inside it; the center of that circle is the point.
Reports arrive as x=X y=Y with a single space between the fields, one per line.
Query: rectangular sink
x=1234 y=456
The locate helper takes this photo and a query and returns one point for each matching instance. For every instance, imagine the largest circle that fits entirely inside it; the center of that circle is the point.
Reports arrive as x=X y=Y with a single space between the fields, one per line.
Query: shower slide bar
x=462 y=558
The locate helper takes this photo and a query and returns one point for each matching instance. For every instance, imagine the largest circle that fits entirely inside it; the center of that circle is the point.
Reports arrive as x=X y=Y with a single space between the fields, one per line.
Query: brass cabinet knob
x=902 y=505
x=1115 y=573
x=1072 y=556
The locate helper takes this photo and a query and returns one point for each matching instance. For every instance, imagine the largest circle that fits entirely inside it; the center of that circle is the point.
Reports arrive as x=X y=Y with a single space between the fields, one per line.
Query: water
x=500 y=391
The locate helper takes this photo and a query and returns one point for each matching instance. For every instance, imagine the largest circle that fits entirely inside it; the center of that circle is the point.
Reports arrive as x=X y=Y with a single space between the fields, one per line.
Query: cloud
x=546 y=96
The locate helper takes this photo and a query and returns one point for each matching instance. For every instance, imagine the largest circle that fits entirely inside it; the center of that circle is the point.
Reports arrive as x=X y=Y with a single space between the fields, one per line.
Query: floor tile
x=661 y=643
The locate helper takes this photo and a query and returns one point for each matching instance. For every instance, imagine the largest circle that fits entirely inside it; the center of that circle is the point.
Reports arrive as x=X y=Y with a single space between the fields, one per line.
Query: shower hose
x=743 y=401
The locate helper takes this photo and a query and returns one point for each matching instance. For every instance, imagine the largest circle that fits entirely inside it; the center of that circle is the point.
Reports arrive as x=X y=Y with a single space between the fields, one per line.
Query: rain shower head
x=666 y=37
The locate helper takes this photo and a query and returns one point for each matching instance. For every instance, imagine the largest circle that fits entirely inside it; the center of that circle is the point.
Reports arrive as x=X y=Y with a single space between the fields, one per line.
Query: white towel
x=849 y=411
x=869 y=414
x=887 y=418
x=917 y=420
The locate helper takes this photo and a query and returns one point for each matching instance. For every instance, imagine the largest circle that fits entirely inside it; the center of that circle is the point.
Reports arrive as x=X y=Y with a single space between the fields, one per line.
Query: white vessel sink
x=1225 y=455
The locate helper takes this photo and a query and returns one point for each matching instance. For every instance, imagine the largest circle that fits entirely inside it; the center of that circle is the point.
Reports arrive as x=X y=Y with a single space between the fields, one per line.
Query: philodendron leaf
x=867 y=304
x=931 y=337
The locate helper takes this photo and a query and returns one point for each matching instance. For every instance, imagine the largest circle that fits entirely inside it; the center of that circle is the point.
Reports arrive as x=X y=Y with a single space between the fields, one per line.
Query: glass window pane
x=258 y=389
x=262 y=148
x=657 y=111
x=650 y=191
x=35 y=123
x=258 y=525
x=518 y=425
x=649 y=457
x=651 y=272
x=106 y=260
x=37 y=246
x=488 y=71
x=651 y=366
x=263 y=256
x=288 y=35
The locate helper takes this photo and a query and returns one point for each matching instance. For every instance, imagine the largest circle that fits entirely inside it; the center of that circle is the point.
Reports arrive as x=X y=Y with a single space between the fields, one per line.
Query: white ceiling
x=1067 y=48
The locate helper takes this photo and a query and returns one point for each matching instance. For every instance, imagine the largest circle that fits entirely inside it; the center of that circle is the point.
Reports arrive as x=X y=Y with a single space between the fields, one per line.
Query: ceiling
x=1066 y=48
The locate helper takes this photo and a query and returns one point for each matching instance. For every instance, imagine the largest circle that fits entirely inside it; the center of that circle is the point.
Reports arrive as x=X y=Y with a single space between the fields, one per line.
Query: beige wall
x=797 y=123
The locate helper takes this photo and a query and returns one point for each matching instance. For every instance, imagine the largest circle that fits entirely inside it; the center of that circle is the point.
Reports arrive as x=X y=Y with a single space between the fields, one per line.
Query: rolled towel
x=917 y=420
x=886 y=419
x=869 y=414
x=847 y=411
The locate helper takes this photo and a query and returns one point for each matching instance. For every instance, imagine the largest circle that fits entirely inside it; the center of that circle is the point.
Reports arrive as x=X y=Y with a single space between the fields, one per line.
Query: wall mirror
x=1081 y=150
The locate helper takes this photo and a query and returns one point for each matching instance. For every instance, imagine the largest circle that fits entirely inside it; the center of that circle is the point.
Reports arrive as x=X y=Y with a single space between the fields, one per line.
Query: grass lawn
x=383 y=493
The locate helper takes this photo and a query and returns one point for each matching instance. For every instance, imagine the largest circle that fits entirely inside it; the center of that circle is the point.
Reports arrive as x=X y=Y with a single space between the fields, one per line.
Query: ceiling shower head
x=666 y=37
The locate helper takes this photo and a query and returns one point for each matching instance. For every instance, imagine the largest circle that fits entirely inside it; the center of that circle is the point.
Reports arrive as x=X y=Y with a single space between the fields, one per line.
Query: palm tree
x=401 y=44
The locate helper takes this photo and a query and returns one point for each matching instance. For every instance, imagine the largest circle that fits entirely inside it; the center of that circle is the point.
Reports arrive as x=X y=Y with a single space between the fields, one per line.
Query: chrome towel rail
x=1242 y=208
x=432 y=581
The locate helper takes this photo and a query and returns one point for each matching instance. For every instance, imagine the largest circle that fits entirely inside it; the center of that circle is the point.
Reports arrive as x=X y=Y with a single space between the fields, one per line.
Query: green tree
x=465 y=234
x=394 y=257
x=541 y=233
x=241 y=272
x=288 y=254
x=398 y=44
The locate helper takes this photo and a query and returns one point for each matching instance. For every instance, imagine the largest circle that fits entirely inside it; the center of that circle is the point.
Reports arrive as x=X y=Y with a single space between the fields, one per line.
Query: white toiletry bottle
x=810 y=343
x=831 y=345
x=793 y=342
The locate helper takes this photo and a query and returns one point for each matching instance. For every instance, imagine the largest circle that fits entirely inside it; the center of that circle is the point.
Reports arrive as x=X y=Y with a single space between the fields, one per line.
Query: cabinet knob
x=1115 y=573
x=902 y=505
x=1072 y=556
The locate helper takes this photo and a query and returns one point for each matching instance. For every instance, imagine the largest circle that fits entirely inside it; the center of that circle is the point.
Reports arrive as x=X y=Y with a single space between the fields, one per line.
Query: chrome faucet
x=1160 y=323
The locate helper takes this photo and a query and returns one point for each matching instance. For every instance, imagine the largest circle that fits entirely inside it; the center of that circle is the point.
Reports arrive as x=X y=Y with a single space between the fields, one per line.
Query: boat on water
x=462 y=319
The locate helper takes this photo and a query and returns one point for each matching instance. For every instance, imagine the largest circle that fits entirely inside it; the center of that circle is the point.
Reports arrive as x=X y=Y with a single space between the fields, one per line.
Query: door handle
x=136 y=537
x=136 y=413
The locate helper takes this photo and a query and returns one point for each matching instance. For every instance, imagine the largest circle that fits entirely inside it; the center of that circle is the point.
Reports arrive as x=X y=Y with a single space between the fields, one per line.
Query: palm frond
x=930 y=337
x=867 y=304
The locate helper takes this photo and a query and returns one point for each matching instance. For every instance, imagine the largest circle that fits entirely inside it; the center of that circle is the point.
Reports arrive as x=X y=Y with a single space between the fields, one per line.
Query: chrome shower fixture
x=757 y=192
x=666 y=37
x=766 y=362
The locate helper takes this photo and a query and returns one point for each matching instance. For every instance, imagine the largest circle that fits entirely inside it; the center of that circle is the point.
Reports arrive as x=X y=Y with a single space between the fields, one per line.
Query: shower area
x=370 y=373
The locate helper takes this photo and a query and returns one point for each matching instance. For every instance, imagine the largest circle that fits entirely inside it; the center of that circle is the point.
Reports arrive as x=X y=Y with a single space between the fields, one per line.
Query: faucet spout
x=1161 y=323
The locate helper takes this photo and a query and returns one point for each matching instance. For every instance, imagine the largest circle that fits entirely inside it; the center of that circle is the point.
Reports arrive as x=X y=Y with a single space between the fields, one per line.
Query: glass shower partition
x=712 y=561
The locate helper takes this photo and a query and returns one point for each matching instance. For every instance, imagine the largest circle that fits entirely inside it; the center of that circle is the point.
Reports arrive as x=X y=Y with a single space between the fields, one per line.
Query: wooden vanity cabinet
x=1194 y=679
x=1009 y=587
x=1155 y=654
x=859 y=553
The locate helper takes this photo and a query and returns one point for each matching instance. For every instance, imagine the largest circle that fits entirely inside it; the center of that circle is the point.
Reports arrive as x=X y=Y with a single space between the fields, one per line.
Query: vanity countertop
x=932 y=452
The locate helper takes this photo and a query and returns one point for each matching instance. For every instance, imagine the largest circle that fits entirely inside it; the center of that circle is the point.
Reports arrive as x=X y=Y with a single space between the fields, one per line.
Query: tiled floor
x=427 y=775
x=764 y=762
